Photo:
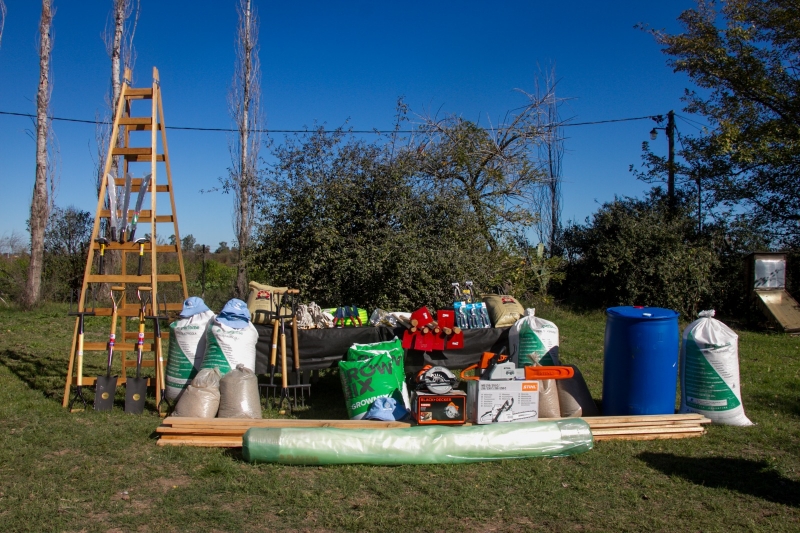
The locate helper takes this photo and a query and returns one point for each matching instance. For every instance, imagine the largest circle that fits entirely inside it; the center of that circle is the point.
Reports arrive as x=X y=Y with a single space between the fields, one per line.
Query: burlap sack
x=549 y=406
x=261 y=302
x=239 y=397
x=504 y=310
x=201 y=397
x=574 y=396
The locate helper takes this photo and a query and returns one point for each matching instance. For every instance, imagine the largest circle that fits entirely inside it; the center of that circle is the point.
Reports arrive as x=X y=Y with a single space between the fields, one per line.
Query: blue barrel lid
x=642 y=313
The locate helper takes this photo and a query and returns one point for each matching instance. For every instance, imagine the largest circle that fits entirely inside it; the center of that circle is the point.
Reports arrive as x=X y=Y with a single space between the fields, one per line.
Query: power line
x=228 y=130
x=691 y=122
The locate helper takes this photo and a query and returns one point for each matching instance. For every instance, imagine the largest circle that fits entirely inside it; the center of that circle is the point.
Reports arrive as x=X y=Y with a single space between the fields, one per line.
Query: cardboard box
x=430 y=408
x=505 y=401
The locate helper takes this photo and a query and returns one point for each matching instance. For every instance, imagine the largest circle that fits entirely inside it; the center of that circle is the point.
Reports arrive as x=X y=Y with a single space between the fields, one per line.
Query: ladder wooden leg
x=70 y=367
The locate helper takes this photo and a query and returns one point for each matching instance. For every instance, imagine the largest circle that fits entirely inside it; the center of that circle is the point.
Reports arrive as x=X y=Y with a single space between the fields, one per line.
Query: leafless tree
x=119 y=46
x=2 y=19
x=13 y=244
x=551 y=153
x=244 y=105
x=40 y=205
x=496 y=168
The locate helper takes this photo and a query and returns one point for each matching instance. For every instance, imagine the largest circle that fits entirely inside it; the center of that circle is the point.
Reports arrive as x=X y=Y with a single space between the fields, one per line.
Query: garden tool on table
x=469 y=292
x=136 y=388
x=79 y=357
x=159 y=314
x=106 y=386
x=343 y=313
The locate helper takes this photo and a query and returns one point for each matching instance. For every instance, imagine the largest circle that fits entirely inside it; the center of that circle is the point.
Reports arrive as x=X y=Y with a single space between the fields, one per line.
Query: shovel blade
x=135 y=395
x=105 y=390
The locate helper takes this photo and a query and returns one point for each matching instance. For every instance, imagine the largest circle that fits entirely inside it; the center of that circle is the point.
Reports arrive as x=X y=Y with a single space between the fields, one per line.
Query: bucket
x=640 y=365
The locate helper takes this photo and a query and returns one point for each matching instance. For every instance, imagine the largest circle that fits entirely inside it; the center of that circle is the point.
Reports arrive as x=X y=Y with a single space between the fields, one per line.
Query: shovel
x=162 y=386
x=136 y=388
x=79 y=387
x=106 y=386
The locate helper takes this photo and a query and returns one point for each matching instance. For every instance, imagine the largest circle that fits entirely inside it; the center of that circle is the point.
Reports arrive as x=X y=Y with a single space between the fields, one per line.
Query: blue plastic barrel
x=640 y=365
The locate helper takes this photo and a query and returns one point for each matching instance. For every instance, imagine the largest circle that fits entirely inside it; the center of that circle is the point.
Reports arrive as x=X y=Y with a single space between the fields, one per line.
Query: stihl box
x=506 y=401
x=429 y=408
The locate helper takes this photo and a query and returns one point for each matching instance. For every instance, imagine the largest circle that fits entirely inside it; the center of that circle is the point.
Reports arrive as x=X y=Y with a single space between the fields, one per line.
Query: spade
x=136 y=388
x=106 y=386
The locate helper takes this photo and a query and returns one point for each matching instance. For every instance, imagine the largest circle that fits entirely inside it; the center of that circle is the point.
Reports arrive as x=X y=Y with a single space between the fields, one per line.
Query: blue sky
x=330 y=62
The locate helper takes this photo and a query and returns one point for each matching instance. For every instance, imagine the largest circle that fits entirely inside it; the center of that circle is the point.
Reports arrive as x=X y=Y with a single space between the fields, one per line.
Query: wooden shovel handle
x=273 y=355
x=284 y=371
x=295 y=345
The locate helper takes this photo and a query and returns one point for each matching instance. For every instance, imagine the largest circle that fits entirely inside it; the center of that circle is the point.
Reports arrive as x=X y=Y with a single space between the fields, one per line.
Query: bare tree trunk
x=119 y=46
x=40 y=206
x=243 y=101
x=551 y=152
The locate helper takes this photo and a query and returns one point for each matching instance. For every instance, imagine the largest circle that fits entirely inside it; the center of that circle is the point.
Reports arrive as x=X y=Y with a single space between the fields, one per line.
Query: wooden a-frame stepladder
x=120 y=145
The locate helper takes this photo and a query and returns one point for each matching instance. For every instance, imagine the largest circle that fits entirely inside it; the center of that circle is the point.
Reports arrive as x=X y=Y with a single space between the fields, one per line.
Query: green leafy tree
x=66 y=243
x=641 y=252
x=188 y=242
x=743 y=55
x=632 y=252
x=346 y=222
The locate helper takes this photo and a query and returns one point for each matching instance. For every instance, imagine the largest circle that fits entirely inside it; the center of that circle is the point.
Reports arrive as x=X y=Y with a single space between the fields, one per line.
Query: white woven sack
x=533 y=341
x=710 y=372
x=187 y=346
x=227 y=347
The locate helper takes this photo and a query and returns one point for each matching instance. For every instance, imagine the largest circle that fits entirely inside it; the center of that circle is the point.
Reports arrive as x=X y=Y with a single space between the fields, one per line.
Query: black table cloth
x=323 y=348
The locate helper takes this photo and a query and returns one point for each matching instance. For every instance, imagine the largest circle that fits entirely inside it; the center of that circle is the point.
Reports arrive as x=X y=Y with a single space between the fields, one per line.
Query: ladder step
x=146 y=363
x=89 y=381
x=161 y=248
x=120 y=346
x=143 y=127
x=130 y=278
x=135 y=121
x=139 y=124
x=143 y=158
x=144 y=216
x=137 y=182
x=138 y=94
x=145 y=150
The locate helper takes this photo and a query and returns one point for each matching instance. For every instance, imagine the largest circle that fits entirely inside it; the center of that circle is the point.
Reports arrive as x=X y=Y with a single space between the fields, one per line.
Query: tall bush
x=346 y=222
x=638 y=252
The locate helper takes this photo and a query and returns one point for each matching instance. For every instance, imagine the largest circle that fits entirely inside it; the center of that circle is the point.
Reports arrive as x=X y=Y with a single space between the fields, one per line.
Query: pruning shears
x=343 y=313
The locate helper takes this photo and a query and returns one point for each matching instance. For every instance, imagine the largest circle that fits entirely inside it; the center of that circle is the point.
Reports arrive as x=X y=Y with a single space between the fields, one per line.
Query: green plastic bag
x=393 y=349
x=417 y=445
x=366 y=380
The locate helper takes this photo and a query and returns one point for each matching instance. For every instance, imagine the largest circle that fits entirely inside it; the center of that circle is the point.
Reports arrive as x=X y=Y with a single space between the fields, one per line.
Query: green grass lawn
x=103 y=471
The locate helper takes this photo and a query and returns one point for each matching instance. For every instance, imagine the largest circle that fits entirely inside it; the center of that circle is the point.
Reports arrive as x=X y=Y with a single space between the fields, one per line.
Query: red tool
x=422 y=317
x=446 y=318
x=455 y=341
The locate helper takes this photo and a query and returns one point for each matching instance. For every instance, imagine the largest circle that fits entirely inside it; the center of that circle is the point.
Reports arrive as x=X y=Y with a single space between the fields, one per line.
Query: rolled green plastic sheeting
x=417 y=445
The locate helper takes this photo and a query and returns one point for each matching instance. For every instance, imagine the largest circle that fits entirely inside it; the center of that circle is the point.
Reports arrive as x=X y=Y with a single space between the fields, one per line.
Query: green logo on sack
x=705 y=388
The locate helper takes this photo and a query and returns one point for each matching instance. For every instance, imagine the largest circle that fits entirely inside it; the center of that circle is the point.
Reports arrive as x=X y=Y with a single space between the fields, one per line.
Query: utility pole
x=671 y=158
